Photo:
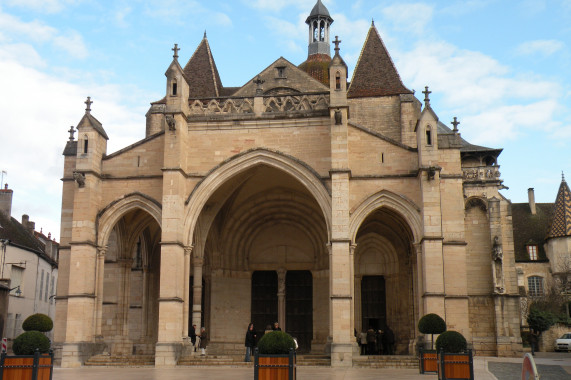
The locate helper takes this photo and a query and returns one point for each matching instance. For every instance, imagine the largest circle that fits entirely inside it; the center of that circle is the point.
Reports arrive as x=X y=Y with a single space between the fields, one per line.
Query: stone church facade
x=300 y=197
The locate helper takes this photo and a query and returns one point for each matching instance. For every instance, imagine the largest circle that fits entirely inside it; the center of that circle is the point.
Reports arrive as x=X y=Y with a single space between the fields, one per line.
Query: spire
x=201 y=73
x=319 y=22
x=561 y=225
x=426 y=96
x=375 y=73
x=175 y=49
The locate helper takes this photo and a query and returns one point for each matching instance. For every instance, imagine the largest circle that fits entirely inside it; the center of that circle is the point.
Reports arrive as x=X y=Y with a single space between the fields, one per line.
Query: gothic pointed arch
x=113 y=212
x=244 y=161
x=387 y=199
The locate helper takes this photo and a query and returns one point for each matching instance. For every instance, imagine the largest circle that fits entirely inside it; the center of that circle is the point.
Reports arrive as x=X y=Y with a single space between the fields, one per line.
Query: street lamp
x=18 y=291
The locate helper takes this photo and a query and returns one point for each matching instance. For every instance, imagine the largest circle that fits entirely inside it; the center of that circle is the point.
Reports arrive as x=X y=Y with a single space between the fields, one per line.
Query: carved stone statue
x=79 y=178
x=497 y=253
x=171 y=123
x=338 y=118
x=497 y=266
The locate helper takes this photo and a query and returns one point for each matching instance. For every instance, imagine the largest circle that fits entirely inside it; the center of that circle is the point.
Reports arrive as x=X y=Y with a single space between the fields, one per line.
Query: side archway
x=112 y=213
x=242 y=162
x=406 y=208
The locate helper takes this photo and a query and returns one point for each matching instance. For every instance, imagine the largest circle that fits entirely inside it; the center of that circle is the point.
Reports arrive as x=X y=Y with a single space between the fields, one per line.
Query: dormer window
x=532 y=251
x=280 y=72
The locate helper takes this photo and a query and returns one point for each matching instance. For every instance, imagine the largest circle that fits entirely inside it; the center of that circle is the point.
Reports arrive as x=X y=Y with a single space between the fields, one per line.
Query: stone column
x=197 y=291
x=281 y=298
x=186 y=309
x=101 y=251
x=352 y=249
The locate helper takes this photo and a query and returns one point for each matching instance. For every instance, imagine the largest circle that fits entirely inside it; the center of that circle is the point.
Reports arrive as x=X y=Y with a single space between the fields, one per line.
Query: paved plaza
x=551 y=366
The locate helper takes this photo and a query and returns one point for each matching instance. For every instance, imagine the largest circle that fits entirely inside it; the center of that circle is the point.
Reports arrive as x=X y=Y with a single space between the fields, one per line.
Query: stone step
x=120 y=361
x=386 y=361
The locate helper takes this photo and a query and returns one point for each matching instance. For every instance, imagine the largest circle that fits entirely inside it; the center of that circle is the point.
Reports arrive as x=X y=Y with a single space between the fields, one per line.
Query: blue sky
x=502 y=67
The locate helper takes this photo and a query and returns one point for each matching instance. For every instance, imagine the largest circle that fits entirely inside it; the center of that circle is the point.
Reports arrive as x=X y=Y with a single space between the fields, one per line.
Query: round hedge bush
x=431 y=324
x=451 y=341
x=38 y=322
x=276 y=342
x=26 y=343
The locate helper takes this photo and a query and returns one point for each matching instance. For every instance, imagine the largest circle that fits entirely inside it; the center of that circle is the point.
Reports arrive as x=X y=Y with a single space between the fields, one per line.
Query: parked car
x=563 y=343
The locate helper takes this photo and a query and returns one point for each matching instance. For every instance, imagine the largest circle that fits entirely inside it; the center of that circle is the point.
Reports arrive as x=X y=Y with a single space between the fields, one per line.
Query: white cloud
x=540 y=47
x=278 y=5
x=13 y=29
x=120 y=16
x=47 y=6
x=411 y=17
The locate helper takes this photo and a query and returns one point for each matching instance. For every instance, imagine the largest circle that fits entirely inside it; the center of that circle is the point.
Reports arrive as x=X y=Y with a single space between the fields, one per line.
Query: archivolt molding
x=386 y=199
x=112 y=213
x=476 y=202
x=240 y=163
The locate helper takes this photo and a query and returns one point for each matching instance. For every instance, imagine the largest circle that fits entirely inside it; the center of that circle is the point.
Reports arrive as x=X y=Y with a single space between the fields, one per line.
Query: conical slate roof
x=319 y=10
x=201 y=73
x=375 y=73
x=561 y=225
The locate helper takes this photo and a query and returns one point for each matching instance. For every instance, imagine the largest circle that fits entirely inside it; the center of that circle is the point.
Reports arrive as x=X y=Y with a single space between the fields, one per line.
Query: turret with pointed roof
x=375 y=73
x=318 y=50
x=561 y=225
x=201 y=73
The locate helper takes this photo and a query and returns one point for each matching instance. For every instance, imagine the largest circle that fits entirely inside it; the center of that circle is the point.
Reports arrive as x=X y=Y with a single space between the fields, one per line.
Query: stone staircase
x=313 y=360
x=105 y=360
x=386 y=361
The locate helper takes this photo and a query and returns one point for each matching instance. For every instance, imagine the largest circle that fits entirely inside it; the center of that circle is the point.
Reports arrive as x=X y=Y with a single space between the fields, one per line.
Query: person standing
x=203 y=341
x=250 y=341
x=276 y=327
x=533 y=335
x=363 y=341
x=371 y=340
x=192 y=335
x=389 y=341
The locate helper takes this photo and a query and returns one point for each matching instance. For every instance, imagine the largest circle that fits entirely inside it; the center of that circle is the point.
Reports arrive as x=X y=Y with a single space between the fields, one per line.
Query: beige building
x=28 y=266
x=300 y=197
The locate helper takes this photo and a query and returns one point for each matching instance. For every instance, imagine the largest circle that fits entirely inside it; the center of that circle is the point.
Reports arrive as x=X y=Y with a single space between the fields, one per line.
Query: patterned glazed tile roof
x=530 y=229
x=375 y=73
x=561 y=225
x=201 y=73
x=317 y=65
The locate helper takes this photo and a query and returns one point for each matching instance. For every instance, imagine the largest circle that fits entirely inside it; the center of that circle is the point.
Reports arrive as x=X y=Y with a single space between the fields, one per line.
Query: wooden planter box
x=455 y=366
x=428 y=360
x=26 y=367
x=274 y=367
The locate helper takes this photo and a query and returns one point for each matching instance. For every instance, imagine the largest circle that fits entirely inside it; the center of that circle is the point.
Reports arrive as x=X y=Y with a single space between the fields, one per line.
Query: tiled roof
x=561 y=225
x=453 y=140
x=201 y=73
x=319 y=10
x=375 y=73
x=530 y=229
x=317 y=65
x=19 y=236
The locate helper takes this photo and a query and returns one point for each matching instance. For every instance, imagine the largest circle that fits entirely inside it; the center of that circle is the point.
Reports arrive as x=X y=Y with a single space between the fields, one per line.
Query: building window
x=41 y=286
x=47 y=286
x=535 y=286
x=85 y=145
x=16 y=278
x=428 y=136
x=280 y=71
x=338 y=81
x=174 y=87
x=532 y=252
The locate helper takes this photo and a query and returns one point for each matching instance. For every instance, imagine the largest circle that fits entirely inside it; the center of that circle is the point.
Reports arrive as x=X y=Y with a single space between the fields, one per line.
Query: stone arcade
x=327 y=205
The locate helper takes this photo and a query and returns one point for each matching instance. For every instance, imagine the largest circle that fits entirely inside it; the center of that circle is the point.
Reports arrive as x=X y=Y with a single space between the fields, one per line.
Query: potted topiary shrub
x=274 y=358
x=33 y=358
x=430 y=324
x=454 y=360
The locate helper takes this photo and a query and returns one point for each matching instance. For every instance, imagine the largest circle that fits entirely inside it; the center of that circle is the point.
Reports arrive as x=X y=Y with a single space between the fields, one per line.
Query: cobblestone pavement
x=512 y=371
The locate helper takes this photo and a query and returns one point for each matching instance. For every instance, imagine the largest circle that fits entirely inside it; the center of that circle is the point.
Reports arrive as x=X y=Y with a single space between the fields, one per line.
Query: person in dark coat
x=389 y=341
x=371 y=341
x=276 y=327
x=533 y=335
x=250 y=341
x=203 y=341
x=192 y=335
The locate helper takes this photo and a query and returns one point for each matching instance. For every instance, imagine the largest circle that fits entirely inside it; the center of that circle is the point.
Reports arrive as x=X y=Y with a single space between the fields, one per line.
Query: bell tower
x=319 y=22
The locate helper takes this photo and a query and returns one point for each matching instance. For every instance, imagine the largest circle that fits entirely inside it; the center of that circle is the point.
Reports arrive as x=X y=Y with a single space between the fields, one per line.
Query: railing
x=481 y=173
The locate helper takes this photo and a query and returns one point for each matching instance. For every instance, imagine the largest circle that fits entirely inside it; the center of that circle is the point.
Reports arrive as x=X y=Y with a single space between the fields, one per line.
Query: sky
x=502 y=67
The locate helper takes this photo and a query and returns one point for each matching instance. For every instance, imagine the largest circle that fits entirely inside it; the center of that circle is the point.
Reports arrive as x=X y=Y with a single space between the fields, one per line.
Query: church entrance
x=373 y=302
x=299 y=307
x=298 y=304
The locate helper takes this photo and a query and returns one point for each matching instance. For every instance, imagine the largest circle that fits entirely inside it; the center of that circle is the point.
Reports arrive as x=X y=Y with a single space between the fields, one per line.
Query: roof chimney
x=531 y=197
x=6 y=201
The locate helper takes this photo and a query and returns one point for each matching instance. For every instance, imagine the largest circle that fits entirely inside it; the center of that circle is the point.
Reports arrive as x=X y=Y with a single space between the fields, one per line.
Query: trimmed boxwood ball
x=275 y=342
x=38 y=322
x=26 y=343
x=431 y=324
x=451 y=341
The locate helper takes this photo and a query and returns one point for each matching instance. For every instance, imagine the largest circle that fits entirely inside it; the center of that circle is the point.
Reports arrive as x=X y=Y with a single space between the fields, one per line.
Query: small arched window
x=338 y=81
x=315 y=32
x=85 y=144
x=428 y=135
x=174 y=87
